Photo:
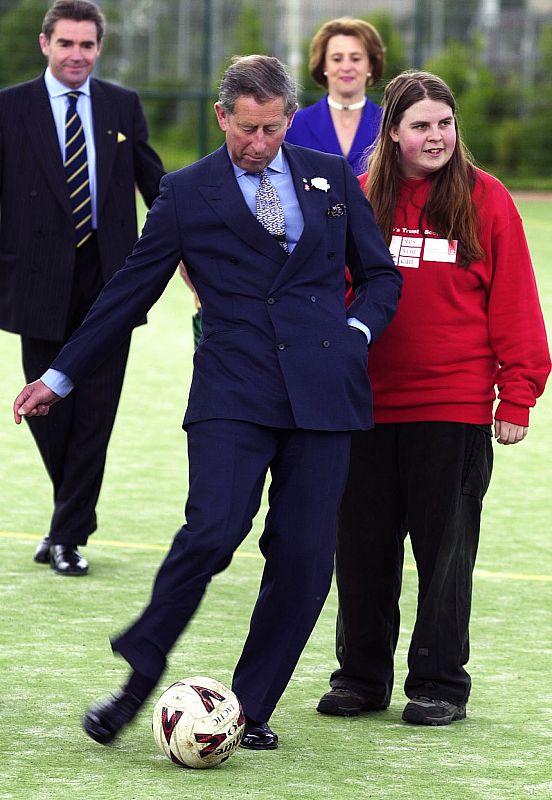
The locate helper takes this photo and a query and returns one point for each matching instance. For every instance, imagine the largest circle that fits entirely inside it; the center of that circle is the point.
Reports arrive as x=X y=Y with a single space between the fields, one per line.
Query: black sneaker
x=430 y=711
x=344 y=702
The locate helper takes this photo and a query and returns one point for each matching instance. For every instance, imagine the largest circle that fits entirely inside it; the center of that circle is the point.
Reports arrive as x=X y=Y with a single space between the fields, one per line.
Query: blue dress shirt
x=57 y=92
x=282 y=180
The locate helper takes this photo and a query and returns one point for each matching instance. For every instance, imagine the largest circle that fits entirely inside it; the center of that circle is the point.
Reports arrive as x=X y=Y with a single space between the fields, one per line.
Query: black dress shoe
x=103 y=721
x=42 y=552
x=258 y=736
x=65 y=559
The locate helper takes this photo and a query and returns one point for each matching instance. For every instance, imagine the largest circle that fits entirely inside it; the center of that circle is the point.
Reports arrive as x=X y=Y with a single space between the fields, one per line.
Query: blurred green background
x=495 y=54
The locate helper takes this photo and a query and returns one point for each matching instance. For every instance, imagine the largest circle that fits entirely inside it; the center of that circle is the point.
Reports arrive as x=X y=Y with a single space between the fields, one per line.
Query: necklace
x=344 y=107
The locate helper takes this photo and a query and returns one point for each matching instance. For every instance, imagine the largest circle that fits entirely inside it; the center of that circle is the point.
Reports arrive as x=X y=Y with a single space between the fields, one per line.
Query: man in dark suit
x=68 y=220
x=279 y=378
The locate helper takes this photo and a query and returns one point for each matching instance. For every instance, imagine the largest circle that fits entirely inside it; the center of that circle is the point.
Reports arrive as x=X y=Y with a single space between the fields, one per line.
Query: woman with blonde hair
x=469 y=328
x=346 y=57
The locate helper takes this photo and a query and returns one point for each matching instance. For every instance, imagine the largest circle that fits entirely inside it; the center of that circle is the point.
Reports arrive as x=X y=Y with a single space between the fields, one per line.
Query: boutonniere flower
x=316 y=183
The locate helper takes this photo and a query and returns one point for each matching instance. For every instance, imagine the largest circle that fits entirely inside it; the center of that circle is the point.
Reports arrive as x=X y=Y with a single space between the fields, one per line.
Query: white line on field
x=480 y=573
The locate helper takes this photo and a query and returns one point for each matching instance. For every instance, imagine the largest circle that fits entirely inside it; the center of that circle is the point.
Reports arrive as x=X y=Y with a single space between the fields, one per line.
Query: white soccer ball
x=198 y=722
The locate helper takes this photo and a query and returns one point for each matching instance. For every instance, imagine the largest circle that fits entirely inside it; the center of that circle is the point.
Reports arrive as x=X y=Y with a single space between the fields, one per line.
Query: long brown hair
x=449 y=208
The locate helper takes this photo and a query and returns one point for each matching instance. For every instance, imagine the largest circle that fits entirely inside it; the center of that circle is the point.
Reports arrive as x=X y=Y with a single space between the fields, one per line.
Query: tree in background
x=523 y=144
x=162 y=48
x=175 y=123
x=395 y=56
x=506 y=125
x=483 y=102
x=20 y=56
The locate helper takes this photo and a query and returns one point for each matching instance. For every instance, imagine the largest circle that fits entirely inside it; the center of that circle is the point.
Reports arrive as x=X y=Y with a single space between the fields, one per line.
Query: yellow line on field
x=480 y=573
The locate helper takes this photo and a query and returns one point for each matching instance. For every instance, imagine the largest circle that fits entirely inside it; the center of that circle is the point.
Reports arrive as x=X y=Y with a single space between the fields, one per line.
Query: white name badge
x=395 y=247
x=440 y=250
x=406 y=250
x=411 y=252
x=408 y=262
x=412 y=241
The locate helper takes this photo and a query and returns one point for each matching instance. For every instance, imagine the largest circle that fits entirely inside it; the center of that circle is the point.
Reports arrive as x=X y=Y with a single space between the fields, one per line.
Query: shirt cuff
x=58 y=382
x=356 y=323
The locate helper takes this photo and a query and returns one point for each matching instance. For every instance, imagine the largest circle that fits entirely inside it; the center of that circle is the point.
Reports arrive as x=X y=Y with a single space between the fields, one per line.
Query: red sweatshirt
x=459 y=333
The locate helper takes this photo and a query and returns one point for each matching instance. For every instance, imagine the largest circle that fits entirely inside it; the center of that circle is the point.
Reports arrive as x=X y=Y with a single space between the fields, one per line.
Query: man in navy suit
x=279 y=380
x=51 y=270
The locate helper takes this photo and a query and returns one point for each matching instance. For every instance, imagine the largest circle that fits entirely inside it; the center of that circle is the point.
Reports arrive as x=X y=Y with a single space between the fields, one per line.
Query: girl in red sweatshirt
x=469 y=329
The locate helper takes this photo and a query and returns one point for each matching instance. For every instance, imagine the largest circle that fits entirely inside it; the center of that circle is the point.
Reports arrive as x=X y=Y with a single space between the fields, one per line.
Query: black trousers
x=426 y=479
x=73 y=438
x=228 y=463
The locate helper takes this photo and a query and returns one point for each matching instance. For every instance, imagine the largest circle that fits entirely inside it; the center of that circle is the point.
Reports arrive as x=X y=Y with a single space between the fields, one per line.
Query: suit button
x=313 y=299
x=331 y=254
x=281 y=347
x=271 y=301
x=233 y=260
x=33 y=193
x=325 y=343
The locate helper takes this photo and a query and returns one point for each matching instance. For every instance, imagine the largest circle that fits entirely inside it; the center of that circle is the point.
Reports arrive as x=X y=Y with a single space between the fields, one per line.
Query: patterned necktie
x=76 y=171
x=269 y=210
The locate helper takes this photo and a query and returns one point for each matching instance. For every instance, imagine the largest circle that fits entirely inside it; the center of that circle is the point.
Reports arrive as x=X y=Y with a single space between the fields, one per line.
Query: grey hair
x=262 y=77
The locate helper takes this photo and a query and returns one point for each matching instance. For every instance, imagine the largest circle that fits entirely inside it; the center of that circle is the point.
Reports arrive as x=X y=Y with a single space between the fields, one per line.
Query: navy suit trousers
x=229 y=461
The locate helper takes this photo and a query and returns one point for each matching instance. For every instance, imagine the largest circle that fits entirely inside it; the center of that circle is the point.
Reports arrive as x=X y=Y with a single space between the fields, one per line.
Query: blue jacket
x=276 y=349
x=313 y=127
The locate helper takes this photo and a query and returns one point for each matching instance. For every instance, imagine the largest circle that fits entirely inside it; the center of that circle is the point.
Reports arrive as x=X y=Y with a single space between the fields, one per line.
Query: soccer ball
x=198 y=722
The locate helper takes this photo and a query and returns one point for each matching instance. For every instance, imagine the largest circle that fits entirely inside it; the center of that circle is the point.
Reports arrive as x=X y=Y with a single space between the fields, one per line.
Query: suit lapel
x=367 y=128
x=314 y=205
x=224 y=196
x=105 y=121
x=323 y=130
x=39 y=123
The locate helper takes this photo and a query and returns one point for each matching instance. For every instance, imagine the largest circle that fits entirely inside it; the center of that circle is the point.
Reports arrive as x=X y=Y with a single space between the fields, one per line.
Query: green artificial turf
x=55 y=656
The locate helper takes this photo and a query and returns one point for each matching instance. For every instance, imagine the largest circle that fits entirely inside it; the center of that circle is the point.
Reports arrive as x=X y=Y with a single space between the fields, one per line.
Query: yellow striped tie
x=76 y=171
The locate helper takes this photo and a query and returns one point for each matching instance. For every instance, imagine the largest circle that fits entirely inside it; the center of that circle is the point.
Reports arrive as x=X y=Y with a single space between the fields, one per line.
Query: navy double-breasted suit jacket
x=276 y=349
x=37 y=238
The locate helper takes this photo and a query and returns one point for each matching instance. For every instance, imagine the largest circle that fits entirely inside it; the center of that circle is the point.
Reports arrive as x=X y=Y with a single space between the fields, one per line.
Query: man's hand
x=34 y=401
x=508 y=433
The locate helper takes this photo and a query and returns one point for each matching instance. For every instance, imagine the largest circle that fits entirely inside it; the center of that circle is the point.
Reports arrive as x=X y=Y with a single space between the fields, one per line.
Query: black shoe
x=258 y=736
x=42 y=552
x=429 y=711
x=344 y=702
x=103 y=721
x=65 y=559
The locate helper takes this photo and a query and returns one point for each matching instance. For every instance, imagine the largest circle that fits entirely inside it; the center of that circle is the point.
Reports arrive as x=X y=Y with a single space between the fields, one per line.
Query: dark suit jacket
x=276 y=349
x=37 y=244
x=313 y=127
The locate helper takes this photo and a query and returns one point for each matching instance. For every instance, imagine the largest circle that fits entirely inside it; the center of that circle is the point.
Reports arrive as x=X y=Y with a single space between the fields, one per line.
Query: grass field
x=55 y=656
